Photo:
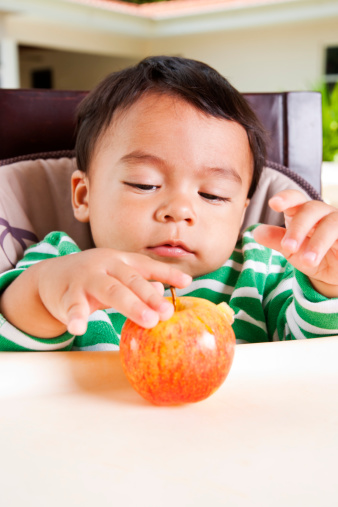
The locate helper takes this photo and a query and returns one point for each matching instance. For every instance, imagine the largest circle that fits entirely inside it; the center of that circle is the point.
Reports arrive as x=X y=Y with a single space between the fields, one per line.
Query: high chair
x=37 y=159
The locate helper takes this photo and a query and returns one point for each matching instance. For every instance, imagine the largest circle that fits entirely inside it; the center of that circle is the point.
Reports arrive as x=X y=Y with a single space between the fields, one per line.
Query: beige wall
x=266 y=59
x=273 y=58
x=71 y=71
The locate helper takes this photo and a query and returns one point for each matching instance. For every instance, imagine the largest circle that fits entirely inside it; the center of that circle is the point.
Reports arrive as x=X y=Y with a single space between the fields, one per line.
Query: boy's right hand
x=72 y=287
x=104 y=278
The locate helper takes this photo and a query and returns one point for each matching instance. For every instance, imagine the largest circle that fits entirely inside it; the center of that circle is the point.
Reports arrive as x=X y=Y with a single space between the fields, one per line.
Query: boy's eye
x=213 y=198
x=140 y=186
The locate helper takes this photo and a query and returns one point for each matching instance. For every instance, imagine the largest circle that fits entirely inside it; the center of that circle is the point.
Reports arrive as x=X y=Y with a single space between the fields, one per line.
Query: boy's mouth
x=170 y=249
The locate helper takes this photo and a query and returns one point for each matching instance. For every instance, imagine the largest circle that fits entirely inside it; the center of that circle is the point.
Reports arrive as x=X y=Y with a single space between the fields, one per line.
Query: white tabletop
x=74 y=433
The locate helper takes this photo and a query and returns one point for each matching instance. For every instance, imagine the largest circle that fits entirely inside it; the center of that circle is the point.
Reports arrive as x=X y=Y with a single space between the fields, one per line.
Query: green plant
x=330 y=122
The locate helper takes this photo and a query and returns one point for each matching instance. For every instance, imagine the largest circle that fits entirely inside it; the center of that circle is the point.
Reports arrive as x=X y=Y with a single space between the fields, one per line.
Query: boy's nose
x=176 y=211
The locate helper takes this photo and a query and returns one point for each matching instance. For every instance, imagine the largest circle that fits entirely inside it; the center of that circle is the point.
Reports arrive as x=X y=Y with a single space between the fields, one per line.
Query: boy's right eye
x=140 y=186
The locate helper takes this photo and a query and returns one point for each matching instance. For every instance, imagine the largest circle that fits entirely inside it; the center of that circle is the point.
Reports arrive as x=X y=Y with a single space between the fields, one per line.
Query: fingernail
x=150 y=318
x=310 y=257
x=276 y=198
x=187 y=279
x=164 y=306
x=290 y=245
x=77 y=327
x=166 y=311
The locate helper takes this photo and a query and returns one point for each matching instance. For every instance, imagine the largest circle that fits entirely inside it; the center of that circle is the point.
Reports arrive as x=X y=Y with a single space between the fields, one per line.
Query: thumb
x=76 y=322
x=269 y=236
x=77 y=314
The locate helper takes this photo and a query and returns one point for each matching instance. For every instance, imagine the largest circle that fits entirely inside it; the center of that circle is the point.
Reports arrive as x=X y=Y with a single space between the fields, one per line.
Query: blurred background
x=259 y=45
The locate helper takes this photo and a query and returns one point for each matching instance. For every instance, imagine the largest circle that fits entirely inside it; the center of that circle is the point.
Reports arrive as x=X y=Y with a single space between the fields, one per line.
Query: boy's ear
x=247 y=202
x=80 y=196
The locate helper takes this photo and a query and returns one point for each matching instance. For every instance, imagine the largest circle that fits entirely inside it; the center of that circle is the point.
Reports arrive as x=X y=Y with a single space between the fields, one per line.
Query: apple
x=181 y=360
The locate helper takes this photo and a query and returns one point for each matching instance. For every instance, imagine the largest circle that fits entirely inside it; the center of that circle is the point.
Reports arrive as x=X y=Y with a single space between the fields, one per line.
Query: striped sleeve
x=54 y=245
x=258 y=273
x=274 y=301
x=310 y=315
x=14 y=340
x=294 y=309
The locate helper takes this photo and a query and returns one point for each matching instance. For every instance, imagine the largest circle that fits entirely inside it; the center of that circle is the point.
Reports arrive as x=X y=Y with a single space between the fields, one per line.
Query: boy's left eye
x=213 y=198
x=140 y=186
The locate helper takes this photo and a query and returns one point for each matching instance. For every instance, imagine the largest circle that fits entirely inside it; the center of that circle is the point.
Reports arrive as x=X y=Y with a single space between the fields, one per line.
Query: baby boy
x=168 y=156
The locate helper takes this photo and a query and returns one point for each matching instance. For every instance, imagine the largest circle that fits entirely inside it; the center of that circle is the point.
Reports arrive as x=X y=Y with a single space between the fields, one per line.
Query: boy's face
x=169 y=182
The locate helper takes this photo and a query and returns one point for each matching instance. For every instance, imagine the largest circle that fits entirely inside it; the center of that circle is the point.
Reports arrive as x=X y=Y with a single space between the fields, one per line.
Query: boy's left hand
x=310 y=240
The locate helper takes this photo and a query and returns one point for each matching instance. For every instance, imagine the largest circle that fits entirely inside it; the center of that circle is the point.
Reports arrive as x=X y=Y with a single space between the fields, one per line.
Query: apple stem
x=173 y=295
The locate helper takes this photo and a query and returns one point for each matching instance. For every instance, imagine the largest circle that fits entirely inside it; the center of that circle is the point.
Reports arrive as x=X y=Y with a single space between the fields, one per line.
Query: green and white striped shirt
x=272 y=301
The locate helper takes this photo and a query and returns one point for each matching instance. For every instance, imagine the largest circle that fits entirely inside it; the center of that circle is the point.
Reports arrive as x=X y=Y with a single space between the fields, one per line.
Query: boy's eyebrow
x=140 y=156
x=226 y=172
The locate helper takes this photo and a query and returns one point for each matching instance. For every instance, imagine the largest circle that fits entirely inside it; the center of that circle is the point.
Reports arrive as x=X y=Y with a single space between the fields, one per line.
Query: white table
x=74 y=433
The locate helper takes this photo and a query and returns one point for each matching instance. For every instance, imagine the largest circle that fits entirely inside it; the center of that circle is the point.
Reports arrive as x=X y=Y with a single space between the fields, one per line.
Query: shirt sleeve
x=310 y=314
x=297 y=311
x=55 y=244
x=293 y=309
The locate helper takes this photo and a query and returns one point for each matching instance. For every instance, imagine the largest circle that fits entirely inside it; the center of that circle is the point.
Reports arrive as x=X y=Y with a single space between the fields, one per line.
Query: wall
x=267 y=59
x=273 y=58
x=71 y=71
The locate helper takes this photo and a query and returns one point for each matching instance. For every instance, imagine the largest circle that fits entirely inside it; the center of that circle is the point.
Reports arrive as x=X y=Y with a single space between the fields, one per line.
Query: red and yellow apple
x=181 y=360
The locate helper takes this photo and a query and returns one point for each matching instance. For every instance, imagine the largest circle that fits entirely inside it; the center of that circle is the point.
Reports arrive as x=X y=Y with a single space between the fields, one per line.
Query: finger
x=312 y=250
x=303 y=224
x=270 y=236
x=151 y=269
x=324 y=237
x=146 y=291
x=159 y=287
x=287 y=199
x=77 y=324
x=164 y=315
x=140 y=301
x=77 y=311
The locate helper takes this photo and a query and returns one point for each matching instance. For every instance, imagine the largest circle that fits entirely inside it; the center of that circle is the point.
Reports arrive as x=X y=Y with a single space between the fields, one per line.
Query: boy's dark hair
x=195 y=82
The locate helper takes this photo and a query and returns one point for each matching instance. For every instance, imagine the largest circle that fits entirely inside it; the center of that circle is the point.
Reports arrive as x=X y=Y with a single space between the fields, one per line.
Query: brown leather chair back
x=35 y=121
x=294 y=123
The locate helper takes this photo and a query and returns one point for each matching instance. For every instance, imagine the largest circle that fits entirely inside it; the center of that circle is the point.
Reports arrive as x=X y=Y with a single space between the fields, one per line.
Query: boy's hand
x=74 y=286
x=310 y=240
x=61 y=293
